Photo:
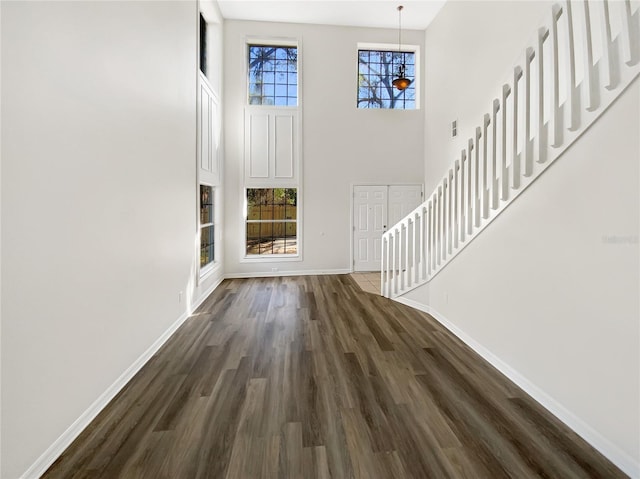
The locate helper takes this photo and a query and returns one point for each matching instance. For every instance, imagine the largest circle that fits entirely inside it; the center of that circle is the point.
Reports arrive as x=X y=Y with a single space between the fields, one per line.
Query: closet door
x=403 y=199
x=375 y=209
x=369 y=223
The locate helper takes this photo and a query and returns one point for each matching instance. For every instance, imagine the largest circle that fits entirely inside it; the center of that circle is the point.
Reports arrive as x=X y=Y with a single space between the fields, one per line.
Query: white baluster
x=573 y=92
x=528 y=144
x=422 y=245
x=590 y=82
x=504 y=130
x=429 y=239
x=450 y=210
x=434 y=231
x=460 y=206
x=543 y=128
x=456 y=204
x=477 y=195
x=417 y=253
x=631 y=35
x=515 y=156
x=394 y=249
x=610 y=54
x=383 y=268
x=485 y=165
x=556 y=108
x=467 y=186
x=495 y=193
x=441 y=235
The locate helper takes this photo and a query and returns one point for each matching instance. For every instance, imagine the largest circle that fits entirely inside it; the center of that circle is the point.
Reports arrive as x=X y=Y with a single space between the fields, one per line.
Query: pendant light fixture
x=401 y=82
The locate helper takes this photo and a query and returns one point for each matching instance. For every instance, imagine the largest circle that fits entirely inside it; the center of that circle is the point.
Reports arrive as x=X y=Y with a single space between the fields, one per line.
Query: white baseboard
x=206 y=293
x=54 y=451
x=311 y=272
x=612 y=452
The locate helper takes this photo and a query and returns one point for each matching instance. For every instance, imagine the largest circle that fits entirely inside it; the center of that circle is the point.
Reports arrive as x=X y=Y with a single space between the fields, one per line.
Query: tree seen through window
x=273 y=75
x=376 y=71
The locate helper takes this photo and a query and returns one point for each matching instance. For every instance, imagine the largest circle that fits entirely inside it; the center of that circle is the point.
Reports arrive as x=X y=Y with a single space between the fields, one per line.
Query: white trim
x=612 y=452
x=39 y=467
x=270 y=258
x=272 y=41
x=207 y=292
x=296 y=183
x=208 y=270
x=310 y=272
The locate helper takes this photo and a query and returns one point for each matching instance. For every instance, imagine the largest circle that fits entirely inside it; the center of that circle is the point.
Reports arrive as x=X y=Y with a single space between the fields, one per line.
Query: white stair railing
x=587 y=53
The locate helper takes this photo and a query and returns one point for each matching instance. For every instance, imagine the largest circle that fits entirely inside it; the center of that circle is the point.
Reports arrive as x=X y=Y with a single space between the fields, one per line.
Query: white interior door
x=374 y=209
x=403 y=199
x=369 y=223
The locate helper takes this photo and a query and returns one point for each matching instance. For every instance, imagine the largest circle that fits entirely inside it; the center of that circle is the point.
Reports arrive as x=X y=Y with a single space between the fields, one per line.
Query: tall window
x=207 y=226
x=272 y=221
x=376 y=71
x=273 y=75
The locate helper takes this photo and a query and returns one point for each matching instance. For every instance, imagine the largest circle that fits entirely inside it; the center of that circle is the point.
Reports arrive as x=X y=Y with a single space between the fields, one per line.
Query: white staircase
x=577 y=64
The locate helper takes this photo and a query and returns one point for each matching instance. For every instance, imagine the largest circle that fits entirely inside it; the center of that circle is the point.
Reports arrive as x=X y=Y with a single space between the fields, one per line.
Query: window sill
x=208 y=270
x=272 y=258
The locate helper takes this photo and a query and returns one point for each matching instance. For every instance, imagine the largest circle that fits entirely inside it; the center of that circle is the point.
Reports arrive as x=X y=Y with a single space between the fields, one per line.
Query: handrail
x=558 y=88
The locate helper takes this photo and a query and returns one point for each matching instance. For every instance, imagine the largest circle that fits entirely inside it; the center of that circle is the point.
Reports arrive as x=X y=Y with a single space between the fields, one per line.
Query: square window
x=376 y=71
x=276 y=65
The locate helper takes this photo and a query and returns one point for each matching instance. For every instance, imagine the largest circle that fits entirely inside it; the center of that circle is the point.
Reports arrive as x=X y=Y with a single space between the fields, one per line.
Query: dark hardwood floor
x=311 y=377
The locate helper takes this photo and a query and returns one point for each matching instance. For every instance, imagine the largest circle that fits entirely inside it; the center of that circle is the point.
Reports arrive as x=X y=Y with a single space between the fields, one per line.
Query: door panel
x=402 y=200
x=376 y=208
x=370 y=211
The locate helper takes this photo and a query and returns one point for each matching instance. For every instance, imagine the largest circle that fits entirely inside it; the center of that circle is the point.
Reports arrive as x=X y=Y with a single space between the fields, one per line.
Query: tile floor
x=368 y=282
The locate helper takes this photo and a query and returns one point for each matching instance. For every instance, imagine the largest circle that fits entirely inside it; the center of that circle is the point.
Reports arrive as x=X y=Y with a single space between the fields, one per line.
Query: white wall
x=98 y=202
x=341 y=144
x=467 y=60
x=544 y=288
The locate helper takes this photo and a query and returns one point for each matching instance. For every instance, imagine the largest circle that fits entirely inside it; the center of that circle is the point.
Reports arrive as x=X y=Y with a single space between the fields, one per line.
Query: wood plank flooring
x=311 y=377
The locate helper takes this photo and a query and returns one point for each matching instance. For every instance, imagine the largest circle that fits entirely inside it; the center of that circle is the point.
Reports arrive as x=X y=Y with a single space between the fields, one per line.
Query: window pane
x=271 y=226
x=275 y=65
x=277 y=237
x=206 y=204
x=206 y=245
x=207 y=233
x=291 y=238
x=203 y=45
x=376 y=72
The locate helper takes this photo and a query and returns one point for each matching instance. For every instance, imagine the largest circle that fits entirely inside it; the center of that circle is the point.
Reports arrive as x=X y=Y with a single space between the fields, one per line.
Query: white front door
x=369 y=222
x=374 y=209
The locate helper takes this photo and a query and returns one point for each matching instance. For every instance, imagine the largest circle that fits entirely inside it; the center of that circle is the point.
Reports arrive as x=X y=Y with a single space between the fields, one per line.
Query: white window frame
x=207 y=269
x=297 y=184
x=272 y=258
x=275 y=42
x=390 y=47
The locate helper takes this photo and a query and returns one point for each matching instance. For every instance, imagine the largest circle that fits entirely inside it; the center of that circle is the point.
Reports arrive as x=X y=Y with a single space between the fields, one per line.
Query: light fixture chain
x=400 y=7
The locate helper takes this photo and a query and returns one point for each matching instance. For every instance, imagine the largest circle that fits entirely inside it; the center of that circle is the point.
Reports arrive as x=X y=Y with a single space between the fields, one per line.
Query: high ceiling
x=417 y=14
